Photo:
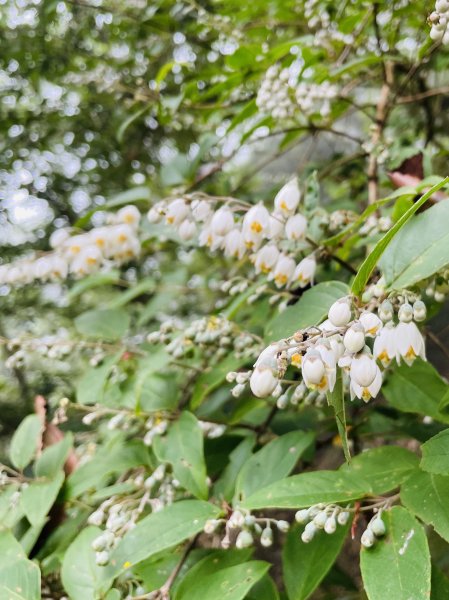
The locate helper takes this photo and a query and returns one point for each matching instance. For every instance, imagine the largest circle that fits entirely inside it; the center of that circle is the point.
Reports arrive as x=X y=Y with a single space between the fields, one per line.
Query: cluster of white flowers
x=439 y=20
x=321 y=516
x=272 y=240
x=342 y=342
x=215 y=335
x=315 y=97
x=275 y=94
x=325 y=30
x=241 y=529
x=82 y=254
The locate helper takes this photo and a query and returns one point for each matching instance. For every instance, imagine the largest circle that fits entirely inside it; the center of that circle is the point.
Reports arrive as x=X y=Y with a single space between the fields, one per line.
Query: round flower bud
x=367 y=539
x=331 y=525
x=386 y=311
x=419 y=311
x=250 y=520
x=377 y=526
x=211 y=525
x=320 y=519
x=313 y=368
x=96 y=518
x=282 y=401
x=405 y=313
x=343 y=517
x=263 y=382
x=153 y=215
x=340 y=313
x=237 y=519
x=102 y=558
x=354 y=338
x=309 y=532
x=283 y=526
x=371 y=323
x=244 y=540
x=266 y=539
x=302 y=516
x=363 y=370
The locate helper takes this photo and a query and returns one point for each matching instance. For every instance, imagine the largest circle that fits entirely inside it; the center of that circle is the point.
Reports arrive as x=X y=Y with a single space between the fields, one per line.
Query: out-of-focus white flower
x=155 y=213
x=283 y=270
x=305 y=271
x=287 y=199
x=187 y=230
x=58 y=237
x=87 y=261
x=234 y=245
x=176 y=211
x=296 y=227
x=266 y=258
x=74 y=245
x=371 y=323
x=340 y=312
x=129 y=215
x=409 y=343
x=256 y=222
x=276 y=226
x=201 y=210
x=222 y=221
x=384 y=348
x=268 y=357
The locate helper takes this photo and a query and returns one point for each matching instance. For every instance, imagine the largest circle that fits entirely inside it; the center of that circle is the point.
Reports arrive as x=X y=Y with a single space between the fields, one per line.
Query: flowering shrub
x=223 y=274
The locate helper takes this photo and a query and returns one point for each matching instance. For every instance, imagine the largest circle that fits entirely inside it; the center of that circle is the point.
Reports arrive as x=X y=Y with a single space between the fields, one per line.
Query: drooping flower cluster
x=439 y=20
x=80 y=254
x=343 y=342
x=321 y=516
x=270 y=239
x=315 y=97
x=242 y=528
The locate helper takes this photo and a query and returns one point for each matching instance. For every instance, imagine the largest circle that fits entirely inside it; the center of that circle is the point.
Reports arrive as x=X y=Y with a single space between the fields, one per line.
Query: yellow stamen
x=91 y=260
x=122 y=237
x=410 y=354
x=296 y=359
x=256 y=227
x=366 y=394
x=281 y=279
x=170 y=220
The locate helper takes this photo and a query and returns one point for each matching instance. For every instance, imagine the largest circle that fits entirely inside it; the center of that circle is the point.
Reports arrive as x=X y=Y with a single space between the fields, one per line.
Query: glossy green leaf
x=208 y=381
x=420 y=249
x=182 y=447
x=264 y=589
x=160 y=531
x=39 y=497
x=425 y=495
x=405 y=391
x=52 y=459
x=91 y=386
x=25 y=441
x=155 y=392
x=435 y=454
x=19 y=577
x=107 y=324
x=307 y=489
x=367 y=267
x=274 y=461
x=225 y=485
x=385 y=468
x=305 y=565
x=310 y=310
x=398 y=565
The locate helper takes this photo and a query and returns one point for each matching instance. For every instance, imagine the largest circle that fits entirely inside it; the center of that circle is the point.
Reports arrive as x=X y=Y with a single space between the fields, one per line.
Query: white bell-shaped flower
x=176 y=211
x=287 y=199
x=187 y=230
x=296 y=227
x=405 y=313
x=59 y=267
x=384 y=348
x=208 y=238
x=42 y=268
x=276 y=226
x=156 y=212
x=201 y=210
x=58 y=237
x=87 y=261
x=266 y=258
x=234 y=245
x=340 y=312
x=268 y=357
x=363 y=369
x=222 y=221
x=305 y=271
x=283 y=270
x=263 y=381
x=366 y=392
x=409 y=343
x=129 y=215
x=256 y=221
x=74 y=244
x=371 y=323
x=314 y=370
x=354 y=338
x=329 y=359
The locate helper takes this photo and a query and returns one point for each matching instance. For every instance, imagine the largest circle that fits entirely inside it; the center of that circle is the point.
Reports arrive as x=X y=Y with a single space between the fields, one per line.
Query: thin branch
x=423 y=95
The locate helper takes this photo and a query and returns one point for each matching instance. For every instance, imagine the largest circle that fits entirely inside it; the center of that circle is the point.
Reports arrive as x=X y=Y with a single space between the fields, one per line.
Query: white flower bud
x=343 y=517
x=236 y=520
x=211 y=526
x=313 y=369
x=283 y=526
x=266 y=539
x=238 y=390
x=367 y=539
x=176 y=212
x=331 y=525
x=102 y=558
x=419 y=311
x=288 y=197
x=305 y=271
x=263 y=382
x=187 y=230
x=340 y=312
x=320 y=519
x=354 y=338
x=244 y=540
x=222 y=222
x=377 y=526
x=296 y=227
x=405 y=313
x=201 y=210
x=386 y=311
x=309 y=532
x=302 y=516
x=371 y=323
x=96 y=518
x=153 y=215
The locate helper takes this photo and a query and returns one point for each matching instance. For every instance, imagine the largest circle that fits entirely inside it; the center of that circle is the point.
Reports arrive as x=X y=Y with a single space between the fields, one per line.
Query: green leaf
x=405 y=391
x=419 y=250
x=157 y=392
x=162 y=530
x=440 y=584
x=435 y=454
x=24 y=443
x=385 y=468
x=81 y=577
x=19 y=577
x=90 y=387
x=225 y=485
x=39 y=497
x=215 y=561
x=310 y=310
x=307 y=489
x=53 y=457
x=305 y=565
x=129 y=121
x=143 y=287
x=93 y=281
x=397 y=566
x=336 y=399
x=107 y=324
x=426 y=496
x=183 y=448
x=247 y=111
x=367 y=267
x=264 y=589
x=232 y=583
x=208 y=381
x=273 y=462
